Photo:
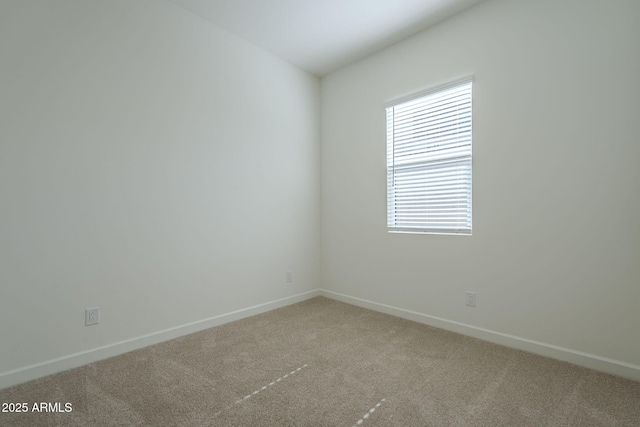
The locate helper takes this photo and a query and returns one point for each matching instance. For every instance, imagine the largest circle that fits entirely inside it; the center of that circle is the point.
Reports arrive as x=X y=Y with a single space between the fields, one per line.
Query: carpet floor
x=325 y=363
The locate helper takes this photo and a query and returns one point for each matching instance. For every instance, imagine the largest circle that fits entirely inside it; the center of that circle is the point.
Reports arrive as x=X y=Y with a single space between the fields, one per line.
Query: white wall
x=555 y=252
x=151 y=165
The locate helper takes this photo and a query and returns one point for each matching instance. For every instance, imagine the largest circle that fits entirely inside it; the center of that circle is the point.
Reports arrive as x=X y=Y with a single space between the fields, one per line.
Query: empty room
x=319 y=212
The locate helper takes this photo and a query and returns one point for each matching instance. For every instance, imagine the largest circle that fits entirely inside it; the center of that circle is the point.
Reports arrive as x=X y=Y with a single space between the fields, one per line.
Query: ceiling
x=321 y=36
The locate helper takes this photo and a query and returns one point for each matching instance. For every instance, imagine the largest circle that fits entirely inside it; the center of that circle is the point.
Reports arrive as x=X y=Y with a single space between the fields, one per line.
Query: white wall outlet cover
x=470 y=299
x=92 y=316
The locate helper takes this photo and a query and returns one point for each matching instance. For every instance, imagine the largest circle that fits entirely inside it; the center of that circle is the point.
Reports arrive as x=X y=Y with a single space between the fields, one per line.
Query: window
x=429 y=162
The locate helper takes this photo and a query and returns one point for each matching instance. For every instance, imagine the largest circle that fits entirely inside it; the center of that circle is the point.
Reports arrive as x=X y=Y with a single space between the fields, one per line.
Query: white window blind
x=429 y=162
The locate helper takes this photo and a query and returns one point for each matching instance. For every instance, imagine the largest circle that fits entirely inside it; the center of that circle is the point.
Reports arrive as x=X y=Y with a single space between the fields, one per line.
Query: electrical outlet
x=470 y=299
x=289 y=276
x=92 y=316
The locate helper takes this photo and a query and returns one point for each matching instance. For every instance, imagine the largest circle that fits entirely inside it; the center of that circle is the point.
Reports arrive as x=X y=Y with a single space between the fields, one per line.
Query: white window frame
x=429 y=161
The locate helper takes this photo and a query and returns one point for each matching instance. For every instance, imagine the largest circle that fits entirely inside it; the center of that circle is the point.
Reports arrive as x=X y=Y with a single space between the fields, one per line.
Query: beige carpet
x=325 y=363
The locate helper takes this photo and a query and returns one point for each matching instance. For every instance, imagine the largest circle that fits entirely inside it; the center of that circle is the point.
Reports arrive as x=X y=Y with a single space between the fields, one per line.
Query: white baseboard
x=603 y=364
x=27 y=373
x=592 y=361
